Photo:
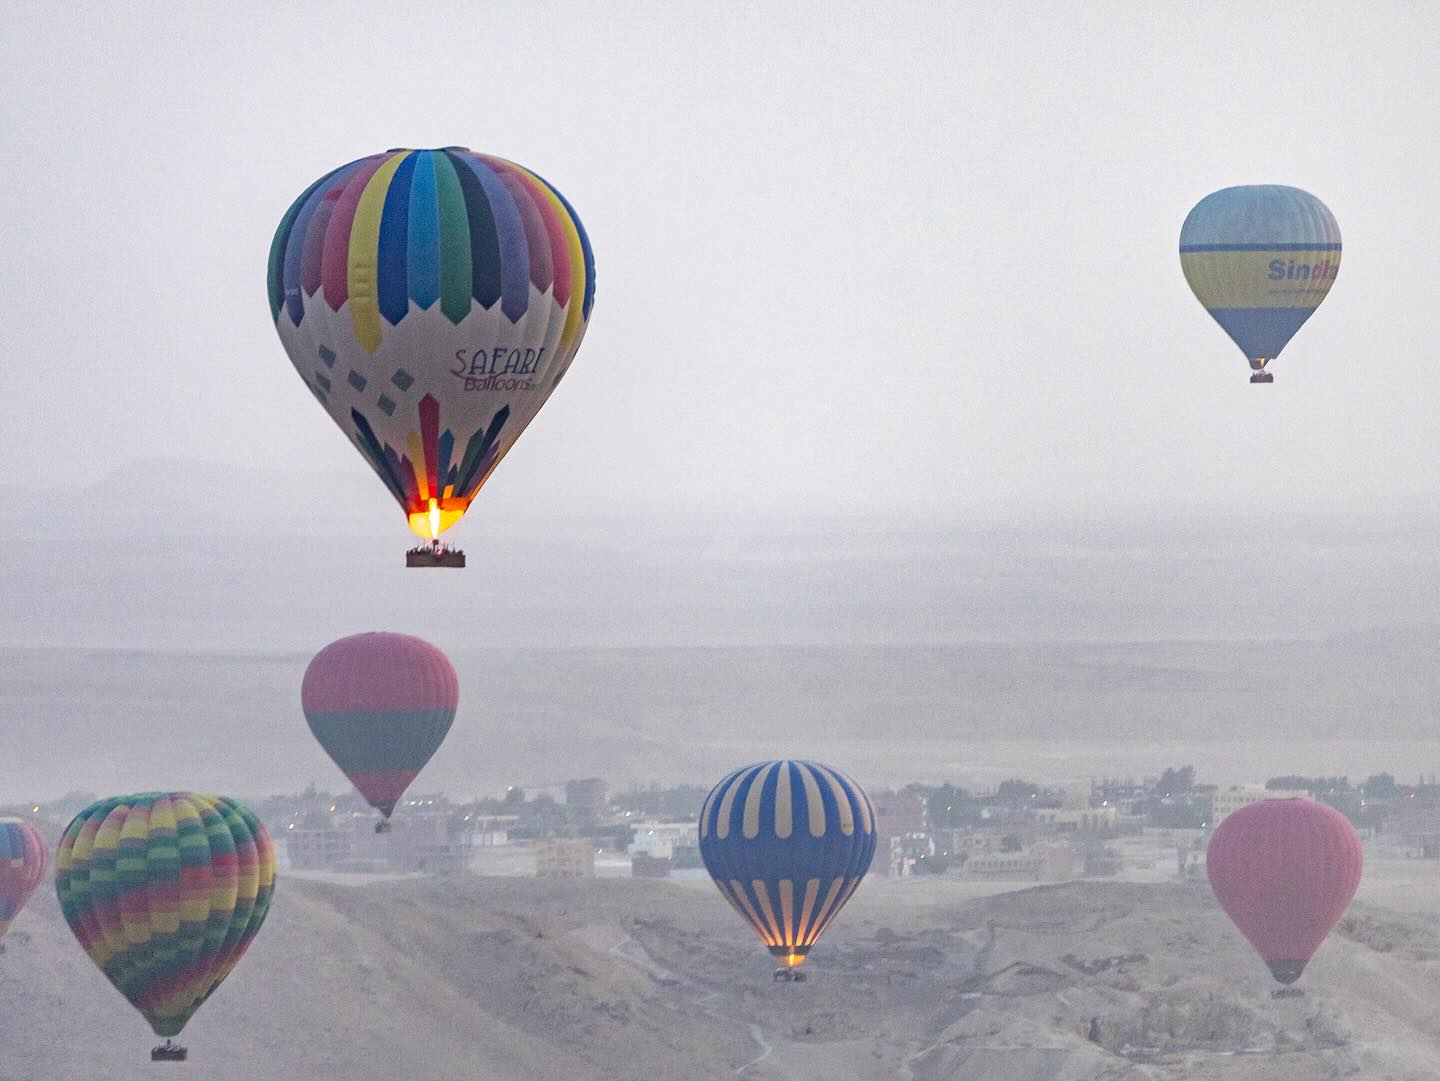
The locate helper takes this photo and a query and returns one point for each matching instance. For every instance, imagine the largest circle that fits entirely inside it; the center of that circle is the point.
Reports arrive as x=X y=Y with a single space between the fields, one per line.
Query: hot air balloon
x=787 y=843
x=1260 y=258
x=431 y=300
x=23 y=858
x=1284 y=871
x=380 y=704
x=165 y=891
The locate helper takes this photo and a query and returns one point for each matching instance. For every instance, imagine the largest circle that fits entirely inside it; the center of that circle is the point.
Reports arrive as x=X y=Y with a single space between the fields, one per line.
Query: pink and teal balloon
x=380 y=704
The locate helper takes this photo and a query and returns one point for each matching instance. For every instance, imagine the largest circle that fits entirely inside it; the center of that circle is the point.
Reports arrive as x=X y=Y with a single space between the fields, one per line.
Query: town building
x=1039 y=863
x=1229 y=799
x=661 y=839
x=588 y=798
x=644 y=865
x=565 y=858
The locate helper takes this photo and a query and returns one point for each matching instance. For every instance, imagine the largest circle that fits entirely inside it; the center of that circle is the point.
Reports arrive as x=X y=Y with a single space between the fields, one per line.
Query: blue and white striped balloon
x=787 y=843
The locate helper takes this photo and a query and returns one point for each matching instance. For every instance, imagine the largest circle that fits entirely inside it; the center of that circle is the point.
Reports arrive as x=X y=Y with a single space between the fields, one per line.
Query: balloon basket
x=168 y=1052
x=434 y=555
x=1287 y=992
x=788 y=975
x=383 y=826
x=1262 y=377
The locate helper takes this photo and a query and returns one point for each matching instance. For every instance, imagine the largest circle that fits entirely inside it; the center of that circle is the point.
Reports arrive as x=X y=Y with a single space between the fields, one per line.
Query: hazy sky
x=899 y=256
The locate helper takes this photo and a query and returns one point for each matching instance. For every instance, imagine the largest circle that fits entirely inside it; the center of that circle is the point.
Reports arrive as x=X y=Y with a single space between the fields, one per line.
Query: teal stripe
x=365 y=741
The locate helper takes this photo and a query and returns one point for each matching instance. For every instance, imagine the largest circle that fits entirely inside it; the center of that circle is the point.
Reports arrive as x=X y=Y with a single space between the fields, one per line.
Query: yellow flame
x=794 y=960
x=438 y=517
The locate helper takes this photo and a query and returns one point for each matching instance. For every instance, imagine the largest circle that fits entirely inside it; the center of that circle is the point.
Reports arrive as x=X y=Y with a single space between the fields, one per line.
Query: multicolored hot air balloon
x=23 y=859
x=380 y=704
x=1260 y=258
x=787 y=843
x=1284 y=870
x=431 y=300
x=165 y=891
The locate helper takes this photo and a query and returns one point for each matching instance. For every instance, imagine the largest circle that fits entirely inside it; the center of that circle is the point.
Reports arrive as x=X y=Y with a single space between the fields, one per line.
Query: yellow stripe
x=418 y=467
x=577 y=260
x=862 y=801
x=705 y=811
x=783 y=818
x=364 y=256
x=1242 y=279
x=842 y=800
x=812 y=888
x=787 y=910
x=752 y=802
x=839 y=904
x=821 y=915
x=751 y=914
x=814 y=805
x=763 y=895
x=722 y=824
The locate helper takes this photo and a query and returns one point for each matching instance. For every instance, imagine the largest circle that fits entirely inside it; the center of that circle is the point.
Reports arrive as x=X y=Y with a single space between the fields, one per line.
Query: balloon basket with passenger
x=169 y=1051
x=790 y=970
x=434 y=554
x=1258 y=372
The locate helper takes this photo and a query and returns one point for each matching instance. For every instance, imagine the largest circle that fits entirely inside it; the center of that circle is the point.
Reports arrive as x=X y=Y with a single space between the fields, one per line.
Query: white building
x=660 y=839
x=1231 y=798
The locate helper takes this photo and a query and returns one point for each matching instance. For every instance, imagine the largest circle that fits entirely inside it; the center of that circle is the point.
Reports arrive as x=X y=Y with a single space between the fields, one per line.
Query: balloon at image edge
x=787 y=843
x=24 y=858
x=1284 y=871
x=431 y=300
x=1260 y=258
x=380 y=704
x=205 y=867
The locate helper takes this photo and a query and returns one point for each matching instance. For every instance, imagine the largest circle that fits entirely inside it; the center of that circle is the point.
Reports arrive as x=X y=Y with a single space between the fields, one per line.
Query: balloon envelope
x=1260 y=258
x=165 y=891
x=787 y=843
x=431 y=300
x=23 y=859
x=380 y=704
x=1284 y=870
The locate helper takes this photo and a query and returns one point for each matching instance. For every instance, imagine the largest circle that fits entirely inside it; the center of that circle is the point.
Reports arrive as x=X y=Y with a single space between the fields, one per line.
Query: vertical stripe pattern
x=787 y=843
x=431 y=276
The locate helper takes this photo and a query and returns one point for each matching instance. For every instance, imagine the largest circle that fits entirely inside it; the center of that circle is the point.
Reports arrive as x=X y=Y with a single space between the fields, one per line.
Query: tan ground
x=517 y=980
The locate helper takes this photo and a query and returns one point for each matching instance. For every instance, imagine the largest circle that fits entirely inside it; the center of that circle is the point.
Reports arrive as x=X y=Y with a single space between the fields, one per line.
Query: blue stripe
x=1261 y=333
x=424 y=241
x=391 y=286
x=510 y=241
x=1184 y=248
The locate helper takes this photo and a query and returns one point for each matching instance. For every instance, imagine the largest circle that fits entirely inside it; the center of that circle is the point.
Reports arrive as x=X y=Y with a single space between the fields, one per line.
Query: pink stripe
x=429 y=436
x=554 y=227
x=377 y=672
x=335 y=267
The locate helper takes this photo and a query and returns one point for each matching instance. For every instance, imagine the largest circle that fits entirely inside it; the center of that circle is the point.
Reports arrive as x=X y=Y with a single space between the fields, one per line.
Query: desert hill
x=650 y=981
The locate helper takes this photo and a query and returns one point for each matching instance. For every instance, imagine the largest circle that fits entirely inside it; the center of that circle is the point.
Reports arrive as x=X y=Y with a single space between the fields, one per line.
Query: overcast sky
x=876 y=257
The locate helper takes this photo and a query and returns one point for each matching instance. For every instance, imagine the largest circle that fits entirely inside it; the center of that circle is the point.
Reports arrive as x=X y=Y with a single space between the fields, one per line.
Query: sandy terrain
x=924 y=979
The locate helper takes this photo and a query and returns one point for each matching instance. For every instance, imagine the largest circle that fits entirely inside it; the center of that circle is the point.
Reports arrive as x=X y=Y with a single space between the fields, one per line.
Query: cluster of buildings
x=544 y=836
x=1018 y=832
